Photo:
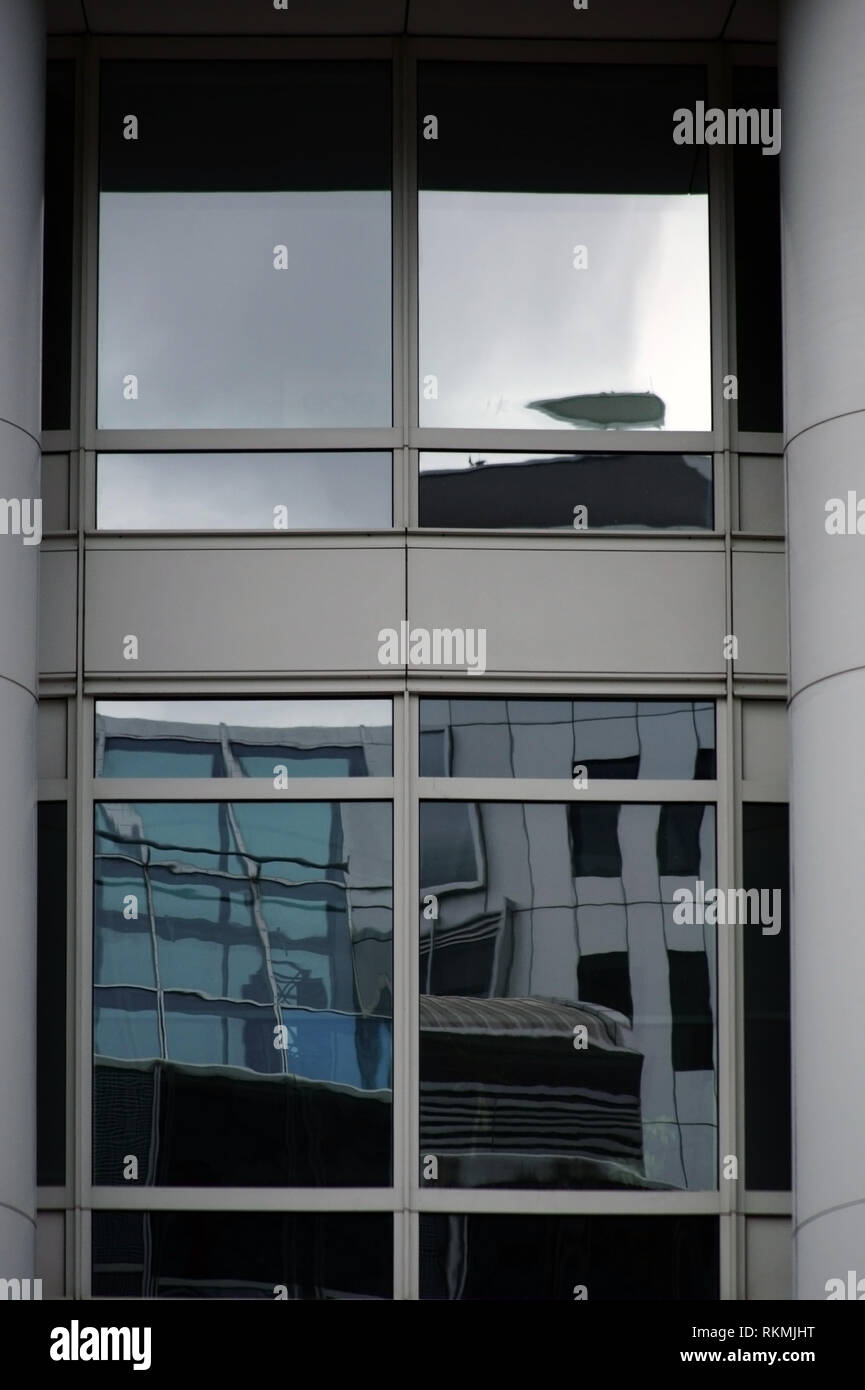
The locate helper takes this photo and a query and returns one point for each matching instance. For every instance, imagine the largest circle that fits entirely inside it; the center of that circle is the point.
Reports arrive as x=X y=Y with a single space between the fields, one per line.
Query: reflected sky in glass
x=239 y=491
x=506 y=319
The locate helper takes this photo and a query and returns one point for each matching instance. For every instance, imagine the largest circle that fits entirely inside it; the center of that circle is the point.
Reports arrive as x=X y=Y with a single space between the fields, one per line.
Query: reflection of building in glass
x=217 y=924
x=552 y=911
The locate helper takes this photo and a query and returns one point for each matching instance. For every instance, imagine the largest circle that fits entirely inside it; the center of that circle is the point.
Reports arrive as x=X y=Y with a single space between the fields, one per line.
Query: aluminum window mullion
x=242 y=789
x=546 y=789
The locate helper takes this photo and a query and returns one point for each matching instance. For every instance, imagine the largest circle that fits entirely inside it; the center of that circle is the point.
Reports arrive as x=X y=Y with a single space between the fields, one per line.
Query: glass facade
x=380 y=988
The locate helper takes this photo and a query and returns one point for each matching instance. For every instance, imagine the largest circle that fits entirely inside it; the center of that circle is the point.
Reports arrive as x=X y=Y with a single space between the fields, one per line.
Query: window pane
x=548 y=738
x=756 y=182
x=243 y=738
x=243 y=492
x=547 y=1257
x=58 y=245
x=567 y=1020
x=244 y=235
x=51 y=995
x=229 y=1254
x=243 y=993
x=768 y=1111
x=485 y=491
x=564 y=264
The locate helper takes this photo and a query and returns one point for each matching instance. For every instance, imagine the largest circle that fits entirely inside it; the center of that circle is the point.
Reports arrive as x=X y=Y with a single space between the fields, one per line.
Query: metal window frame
x=404 y=438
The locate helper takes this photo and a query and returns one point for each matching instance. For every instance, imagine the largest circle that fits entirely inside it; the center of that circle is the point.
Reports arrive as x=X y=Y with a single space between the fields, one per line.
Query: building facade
x=417 y=582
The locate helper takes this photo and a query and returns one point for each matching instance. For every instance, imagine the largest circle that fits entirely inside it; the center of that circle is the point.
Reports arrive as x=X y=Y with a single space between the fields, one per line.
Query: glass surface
x=243 y=738
x=757 y=240
x=483 y=491
x=230 y=1254
x=548 y=738
x=244 y=245
x=57 y=246
x=51 y=995
x=564 y=248
x=768 y=1109
x=567 y=1022
x=547 y=1257
x=243 y=492
x=243 y=993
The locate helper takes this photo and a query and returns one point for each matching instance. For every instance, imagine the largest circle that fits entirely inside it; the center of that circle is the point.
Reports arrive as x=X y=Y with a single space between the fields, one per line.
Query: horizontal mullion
x=223 y=1199
x=553 y=683
x=768 y=1204
x=368 y=539
x=551 y=789
x=502 y=441
x=752 y=789
x=537 y=1202
x=242 y=789
x=242 y=440
x=254 y=685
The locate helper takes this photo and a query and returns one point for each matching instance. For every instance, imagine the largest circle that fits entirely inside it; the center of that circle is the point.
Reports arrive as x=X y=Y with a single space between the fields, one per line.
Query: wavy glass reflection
x=242 y=993
x=567 y=1023
x=563 y=249
x=243 y=738
x=548 y=738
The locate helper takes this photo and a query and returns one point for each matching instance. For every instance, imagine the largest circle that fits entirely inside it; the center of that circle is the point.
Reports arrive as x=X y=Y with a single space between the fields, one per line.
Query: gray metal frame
x=406 y=1199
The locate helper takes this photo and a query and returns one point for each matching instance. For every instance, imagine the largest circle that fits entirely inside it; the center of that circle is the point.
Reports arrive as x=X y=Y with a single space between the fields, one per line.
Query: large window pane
x=548 y=738
x=243 y=738
x=485 y=490
x=567 y=1020
x=243 y=492
x=564 y=248
x=594 y=1258
x=230 y=1254
x=768 y=1109
x=243 y=993
x=244 y=244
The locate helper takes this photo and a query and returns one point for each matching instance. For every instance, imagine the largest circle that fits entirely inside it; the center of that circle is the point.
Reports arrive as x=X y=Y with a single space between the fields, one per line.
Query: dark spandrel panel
x=244 y=268
x=242 y=1010
x=567 y=1018
x=563 y=264
x=558 y=128
x=484 y=492
x=57 y=245
x=243 y=738
x=51 y=996
x=594 y=1258
x=244 y=492
x=228 y=1254
x=768 y=1113
x=757 y=233
x=549 y=738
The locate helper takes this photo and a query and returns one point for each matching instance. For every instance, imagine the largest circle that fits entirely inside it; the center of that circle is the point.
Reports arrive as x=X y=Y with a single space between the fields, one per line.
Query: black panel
x=51 y=996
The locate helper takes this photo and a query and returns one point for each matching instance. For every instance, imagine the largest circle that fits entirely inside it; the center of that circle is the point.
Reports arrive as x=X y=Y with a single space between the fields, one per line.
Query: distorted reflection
x=243 y=992
x=486 y=490
x=243 y=738
x=568 y=1028
x=548 y=738
x=230 y=1254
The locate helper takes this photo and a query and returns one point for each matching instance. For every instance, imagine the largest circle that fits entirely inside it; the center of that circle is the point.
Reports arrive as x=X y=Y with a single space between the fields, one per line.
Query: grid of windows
x=369 y=956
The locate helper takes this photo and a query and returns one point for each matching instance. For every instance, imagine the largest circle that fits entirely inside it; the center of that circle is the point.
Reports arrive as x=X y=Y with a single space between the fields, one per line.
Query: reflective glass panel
x=567 y=1018
x=564 y=248
x=243 y=492
x=244 y=244
x=243 y=993
x=482 y=490
x=768 y=1109
x=243 y=738
x=549 y=738
x=619 y=1258
x=231 y=1254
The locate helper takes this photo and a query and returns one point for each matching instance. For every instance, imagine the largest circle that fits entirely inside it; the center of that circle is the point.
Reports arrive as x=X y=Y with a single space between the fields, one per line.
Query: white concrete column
x=822 y=70
x=22 y=64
